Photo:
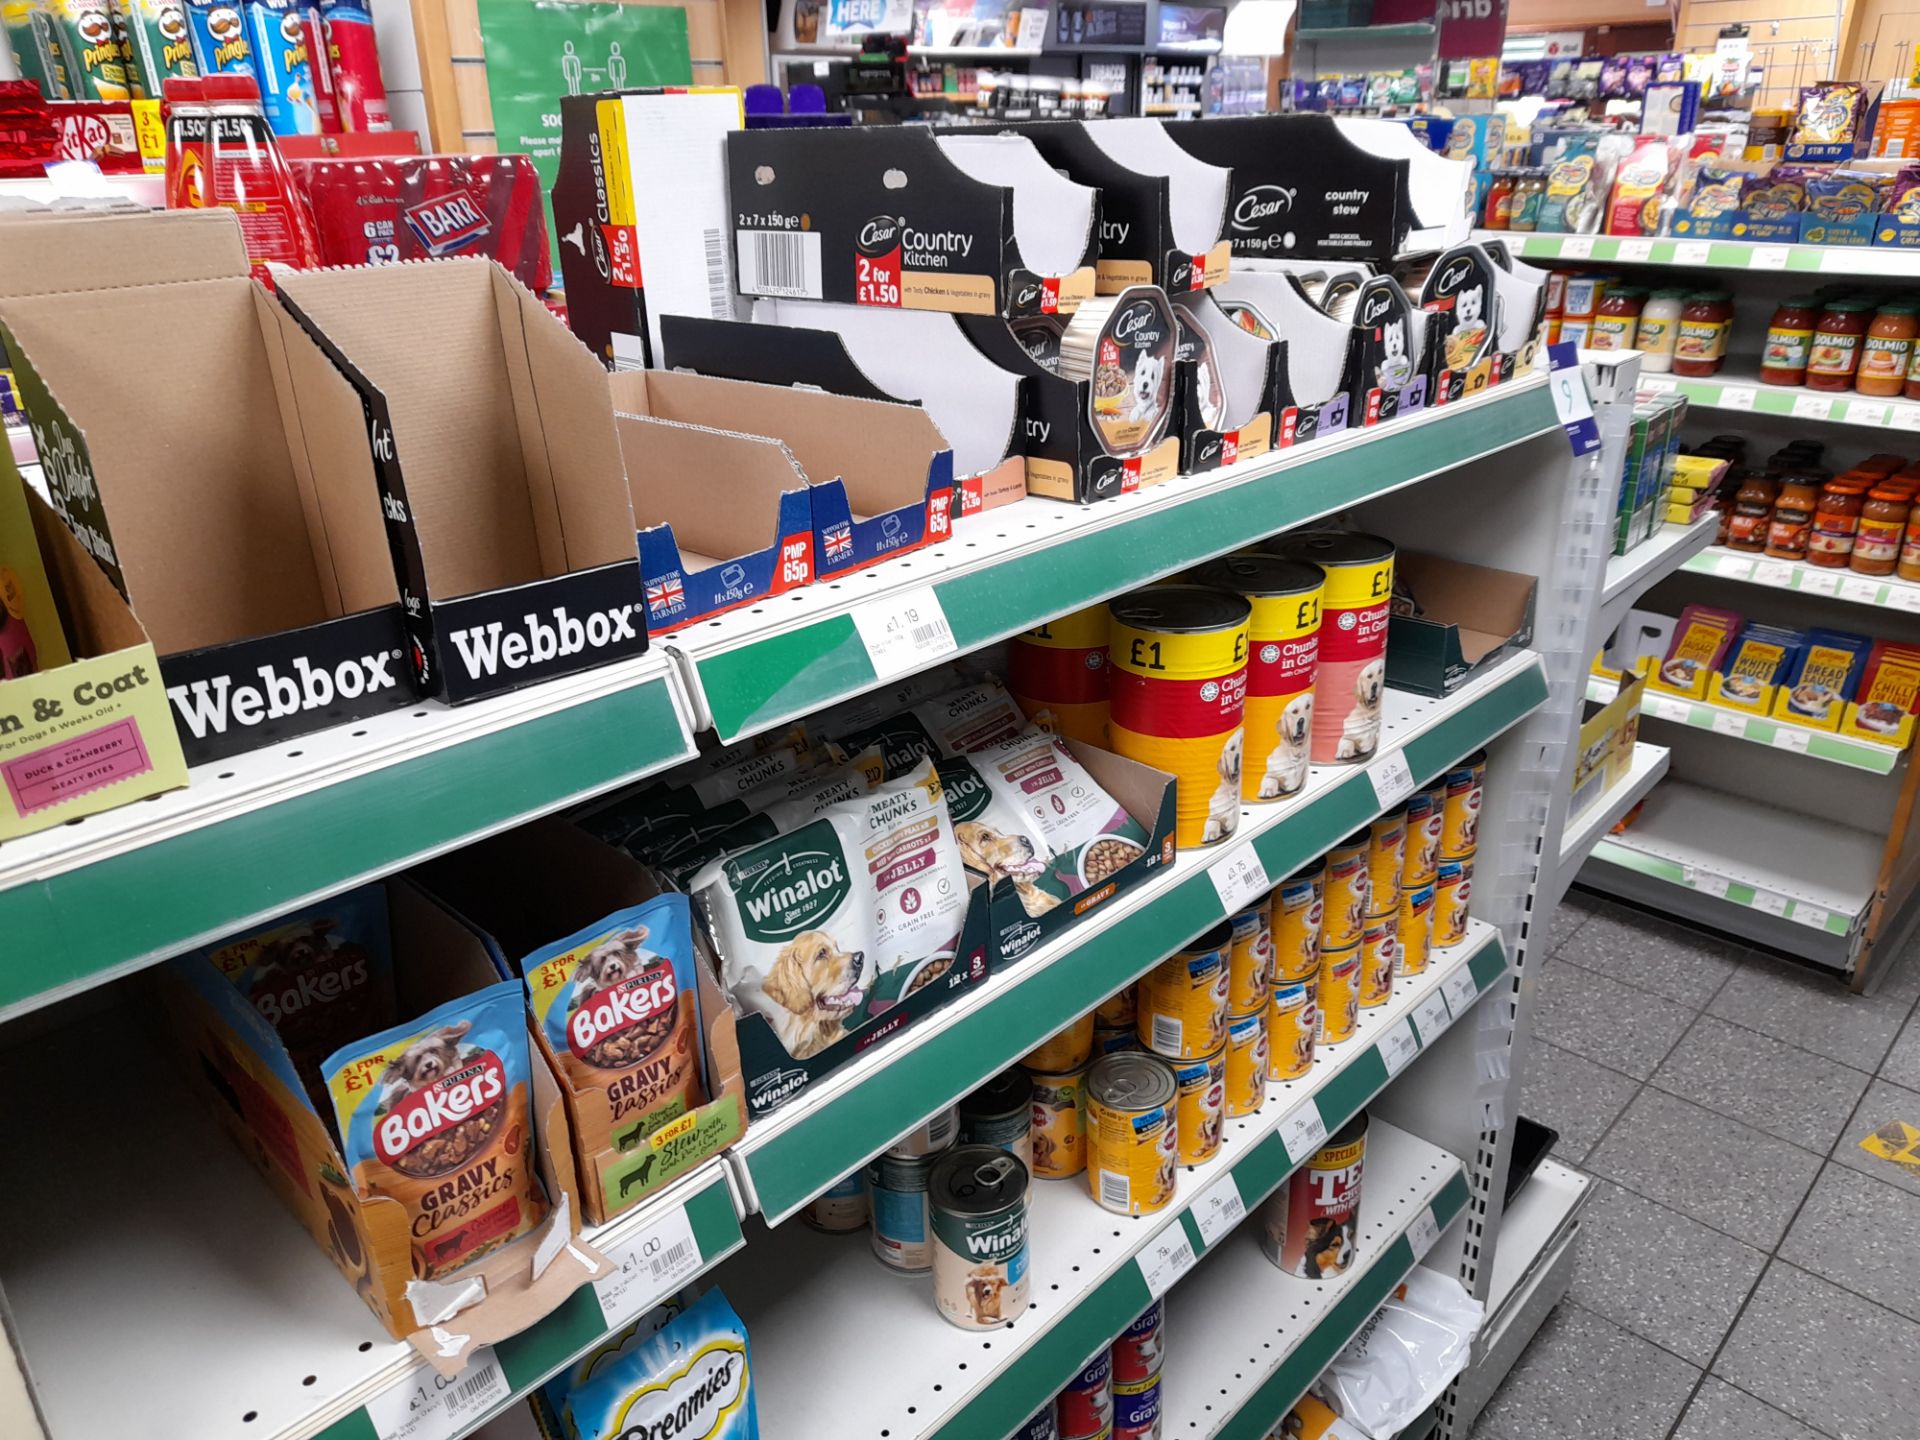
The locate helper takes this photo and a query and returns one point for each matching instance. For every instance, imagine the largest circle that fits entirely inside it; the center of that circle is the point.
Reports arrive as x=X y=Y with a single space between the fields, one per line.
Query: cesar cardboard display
x=500 y=481
x=1320 y=354
x=1487 y=317
x=1394 y=357
x=1230 y=386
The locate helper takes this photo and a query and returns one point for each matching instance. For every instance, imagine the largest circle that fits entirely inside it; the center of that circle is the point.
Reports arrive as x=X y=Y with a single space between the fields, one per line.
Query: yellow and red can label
x=1178 y=703
x=1066 y=1049
x=1057 y=672
x=1130 y=1157
x=1451 y=892
x=1247 y=1058
x=1182 y=1005
x=1386 y=855
x=1339 y=994
x=1200 y=1106
x=1283 y=657
x=1460 y=816
x=1416 y=929
x=1293 y=1026
x=1299 y=911
x=1379 y=947
x=1353 y=665
x=1348 y=887
x=1250 y=967
x=1059 y=1126
x=1426 y=812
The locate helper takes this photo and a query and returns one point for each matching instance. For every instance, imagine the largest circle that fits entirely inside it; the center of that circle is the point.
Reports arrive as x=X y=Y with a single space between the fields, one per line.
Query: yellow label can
x=1200 y=1106
x=1283 y=654
x=1293 y=1024
x=1183 y=1000
x=1298 y=906
x=1247 y=1054
x=1386 y=857
x=1057 y=673
x=1066 y=1049
x=1059 y=1123
x=1416 y=930
x=1250 y=963
x=1460 y=817
x=1451 y=892
x=1378 y=948
x=1339 y=994
x=1348 y=889
x=1116 y=1010
x=1131 y=1137
x=1425 y=812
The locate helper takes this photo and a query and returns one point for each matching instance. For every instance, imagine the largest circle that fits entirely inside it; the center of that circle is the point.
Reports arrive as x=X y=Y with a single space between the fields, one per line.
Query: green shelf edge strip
x=1708 y=563
x=1723 y=254
x=159 y=897
x=827 y=661
x=1759 y=730
x=1654 y=867
x=796 y=1163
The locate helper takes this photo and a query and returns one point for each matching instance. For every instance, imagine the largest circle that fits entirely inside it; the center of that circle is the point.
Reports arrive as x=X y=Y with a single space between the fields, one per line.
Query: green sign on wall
x=540 y=50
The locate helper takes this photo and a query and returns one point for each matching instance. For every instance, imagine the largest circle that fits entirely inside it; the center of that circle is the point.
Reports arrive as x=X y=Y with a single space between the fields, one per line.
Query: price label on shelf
x=1706 y=884
x=1813 y=915
x=655 y=1263
x=1819 y=582
x=1812 y=407
x=904 y=632
x=1771 y=903
x=1168 y=1256
x=1432 y=1016
x=1303 y=1132
x=1734 y=725
x=1218 y=1209
x=1903 y=597
x=1576 y=247
x=1635 y=250
x=1736 y=397
x=1865 y=412
x=1769 y=257
x=1790 y=737
x=1658 y=384
x=1773 y=572
x=1240 y=878
x=1861 y=592
x=1733 y=567
x=1691 y=252
x=1423 y=1232
x=1460 y=990
x=428 y=1406
x=1906 y=417
x=1392 y=780
x=1662 y=708
x=1398 y=1047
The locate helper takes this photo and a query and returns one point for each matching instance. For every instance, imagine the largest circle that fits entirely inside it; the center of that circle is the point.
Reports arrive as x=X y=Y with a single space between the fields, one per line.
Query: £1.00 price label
x=428 y=1406
x=652 y=1265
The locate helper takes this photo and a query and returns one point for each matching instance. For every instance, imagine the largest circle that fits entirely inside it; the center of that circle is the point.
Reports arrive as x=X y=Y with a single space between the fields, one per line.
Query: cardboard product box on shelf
x=1883 y=703
x=798 y=466
x=1440 y=187
x=253 y=553
x=1230 y=384
x=253 y=1085
x=538 y=884
x=1452 y=621
x=491 y=432
x=899 y=218
x=1396 y=354
x=920 y=359
x=640 y=207
x=1314 y=394
x=1607 y=737
x=1487 y=318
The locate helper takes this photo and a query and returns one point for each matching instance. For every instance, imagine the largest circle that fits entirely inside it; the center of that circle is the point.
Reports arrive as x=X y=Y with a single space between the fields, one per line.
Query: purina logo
x=880 y=234
x=206 y=707
x=484 y=649
x=1260 y=204
x=692 y=1403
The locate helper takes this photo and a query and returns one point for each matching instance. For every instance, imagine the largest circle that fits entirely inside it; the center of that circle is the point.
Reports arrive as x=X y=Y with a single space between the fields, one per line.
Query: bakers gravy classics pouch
x=434 y=1114
x=619 y=1007
x=839 y=918
x=693 y=1380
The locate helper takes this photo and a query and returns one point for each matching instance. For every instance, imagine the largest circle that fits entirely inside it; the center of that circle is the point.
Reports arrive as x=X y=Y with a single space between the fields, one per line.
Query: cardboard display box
x=798 y=465
x=1249 y=372
x=252 y=1085
x=1395 y=352
x=531 y=886
x=1452 y=621
x=1489 y=320
x=491 y=433
x=1607 y=737
x=1314 y=394
x=239 y=518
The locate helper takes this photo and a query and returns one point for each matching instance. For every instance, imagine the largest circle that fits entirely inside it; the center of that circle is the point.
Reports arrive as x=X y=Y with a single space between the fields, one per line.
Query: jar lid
x=1800 y=302
x=1622 y=292
x=1890 y=492
x=1848 y=307
x=1900 y=307
x=1669 y=294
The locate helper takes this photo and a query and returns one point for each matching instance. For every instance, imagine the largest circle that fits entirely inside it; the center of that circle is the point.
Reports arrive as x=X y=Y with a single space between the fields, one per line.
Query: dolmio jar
x=1705 y=320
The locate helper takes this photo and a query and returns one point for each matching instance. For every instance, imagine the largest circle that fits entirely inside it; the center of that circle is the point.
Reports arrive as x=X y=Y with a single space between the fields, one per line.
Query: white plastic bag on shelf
x=1404 y=1357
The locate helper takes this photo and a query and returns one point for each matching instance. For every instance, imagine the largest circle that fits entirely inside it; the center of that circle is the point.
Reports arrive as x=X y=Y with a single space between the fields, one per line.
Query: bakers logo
x=447 y=222
x=880 y=235
x=690 y=1404
x=207 y=706
x=336 y=975
x=614 y=1012
x=483 y=649
x=1261 y=204
x=422 y=1114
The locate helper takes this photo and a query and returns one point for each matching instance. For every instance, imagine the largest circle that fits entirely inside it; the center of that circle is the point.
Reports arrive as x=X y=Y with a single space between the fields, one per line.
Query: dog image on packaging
x=692 y=1380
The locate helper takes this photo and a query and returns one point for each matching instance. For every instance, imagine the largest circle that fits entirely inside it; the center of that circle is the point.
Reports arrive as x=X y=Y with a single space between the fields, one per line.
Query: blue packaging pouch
x=693 y=1380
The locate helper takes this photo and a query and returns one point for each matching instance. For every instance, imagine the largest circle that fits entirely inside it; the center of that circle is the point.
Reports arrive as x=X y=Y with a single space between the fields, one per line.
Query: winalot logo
x=419 y=1116
x=208 y=706
x=1261 y=203
x=483 y=649
x=693 y=1402
x=612 y=1012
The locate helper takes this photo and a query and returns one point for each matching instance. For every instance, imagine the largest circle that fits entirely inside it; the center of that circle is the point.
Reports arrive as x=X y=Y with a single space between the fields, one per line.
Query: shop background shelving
x=1586 y=829
x=1807 y=260
x=1737 y=389
x=1825 y=745
x=1631 y=575
x=1882 y=592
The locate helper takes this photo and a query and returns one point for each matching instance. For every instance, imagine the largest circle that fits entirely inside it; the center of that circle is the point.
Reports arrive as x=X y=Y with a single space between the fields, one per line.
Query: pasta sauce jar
x=1837 y=337
x=1789 y=337
x=1704 y=322
x=1835 y=523
x=1888 y=350
x=1883 y=525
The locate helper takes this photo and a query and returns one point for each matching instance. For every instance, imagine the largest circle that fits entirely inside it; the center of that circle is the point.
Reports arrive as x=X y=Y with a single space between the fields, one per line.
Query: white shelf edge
x=1582 y=831
x=1539 y=1215
x=1882 y=592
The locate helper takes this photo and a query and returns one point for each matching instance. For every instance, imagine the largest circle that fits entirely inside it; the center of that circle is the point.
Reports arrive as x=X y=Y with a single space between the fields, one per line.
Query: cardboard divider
x=1470 y=617
x=1440 y=187
x=1396 y=354
x=500 y=478
x=1487 y=322
x=250 y=1083
x=1248 y=371
x=536 y=884
x=1315 y=387
x=1055 y=219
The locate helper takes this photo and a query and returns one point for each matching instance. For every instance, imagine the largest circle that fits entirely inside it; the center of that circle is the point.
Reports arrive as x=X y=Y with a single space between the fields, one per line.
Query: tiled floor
x=1746 y=1271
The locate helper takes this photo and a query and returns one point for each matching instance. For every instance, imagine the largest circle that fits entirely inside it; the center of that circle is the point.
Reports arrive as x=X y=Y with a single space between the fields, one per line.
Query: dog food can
x=1000 y=1113
x=1425 y=812
x=1067 y=1049
x=1116 y=1010
x=928 y=1139
x=1283 y=650
x=1386 y=857
x=1136 y=1354
x=1183 y=1000
x=1416 y=930
x=1112 y=1039
x=840 y=1210
x=978 y=1200
x=1247 y=1054
x=1338 y=995
x=1312 y=1224
x=1352 y=677
x=1084 y=1409
x=1179 y=687
x=897 y=1191
x=1132 y=1139
x=1460 y=820
x=1250 y=961
x=1136 y=1410
x=1379 y=950
x=1451 y=892
x=1058 y=674
x=1299 y=913
x=1293 y=1021
x=1058 y=1123
x=1200 y=1104
x=1042 y=1425
x=1348 y=885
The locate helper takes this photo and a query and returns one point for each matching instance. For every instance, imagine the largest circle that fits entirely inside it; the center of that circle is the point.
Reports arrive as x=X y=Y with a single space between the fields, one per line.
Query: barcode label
x=1116 y=1190
x=1166 y=1034
x=779 y=262
x=655 y=1263
x=719 y=283
x=905 y=633
x=432 y=1407
x=1168 y=1256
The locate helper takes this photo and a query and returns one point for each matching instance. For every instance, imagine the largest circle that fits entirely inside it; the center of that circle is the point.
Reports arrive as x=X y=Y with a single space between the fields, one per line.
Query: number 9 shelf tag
x=1570 y=401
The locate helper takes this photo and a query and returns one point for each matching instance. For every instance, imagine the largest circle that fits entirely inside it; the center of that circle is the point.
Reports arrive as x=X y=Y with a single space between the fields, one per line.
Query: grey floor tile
x=1718 y=1171
x=1574 y=911
x=1667 y=959
x=1594 y=1015
x=1859 y=1233
x=1811 y=1010
x=1666 y=1278
x=1574 y=1096
x=1720 y=1412
x=1825 y=1356
x=1881 y=1105
x=1902 y=1065
x=1585 y=1378
x=1791 y=1094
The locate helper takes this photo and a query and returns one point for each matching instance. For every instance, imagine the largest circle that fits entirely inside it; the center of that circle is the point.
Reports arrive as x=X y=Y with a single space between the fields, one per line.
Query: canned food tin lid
x=1331 y=547
x=1358 y=839
x=977 y=1180
x=1008 y=1091
x=1262 y=575
x=900 y=1172
x=1218 y=938
x=1349 y=1132
x=1189 y=608
x=1308 y=872
x=1129 y=1080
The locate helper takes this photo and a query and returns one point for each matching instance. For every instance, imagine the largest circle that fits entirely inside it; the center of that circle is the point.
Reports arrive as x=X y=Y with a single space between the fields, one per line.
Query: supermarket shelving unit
x=219 y=1311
